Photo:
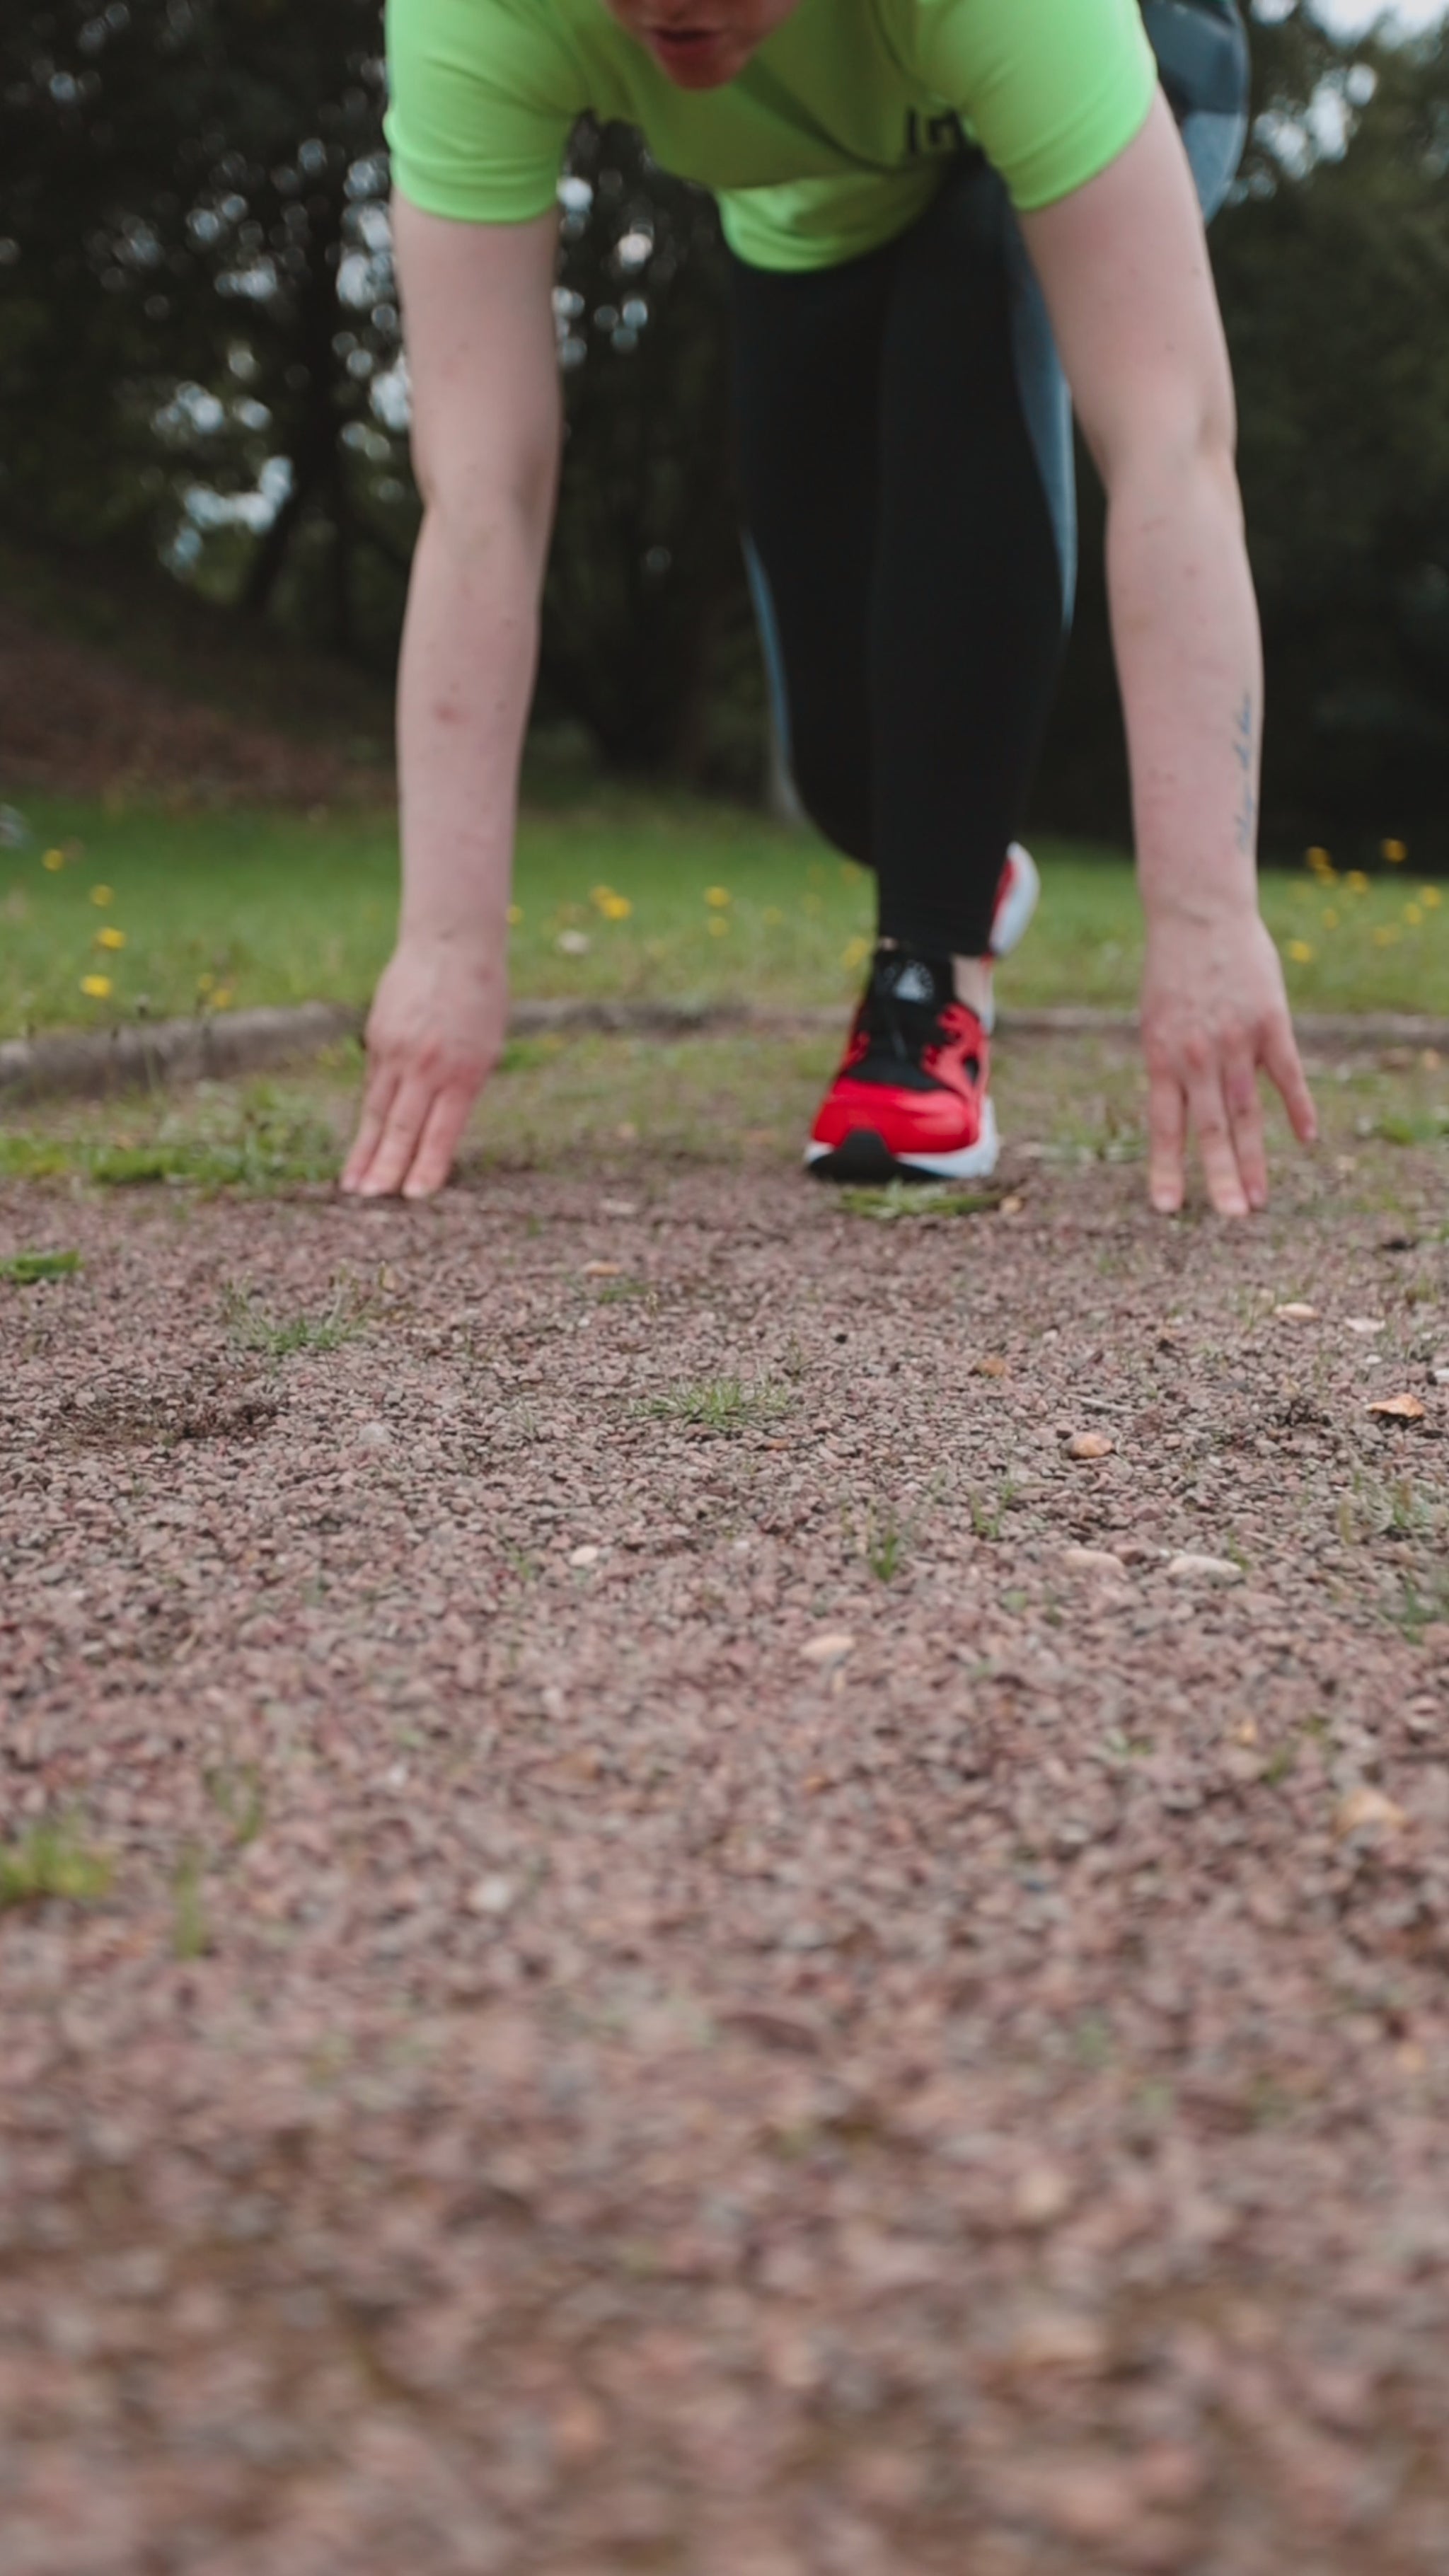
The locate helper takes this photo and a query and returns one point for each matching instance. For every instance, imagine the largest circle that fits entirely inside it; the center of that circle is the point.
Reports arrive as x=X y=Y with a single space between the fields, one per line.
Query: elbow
x=478 y=502
x=1185 y=439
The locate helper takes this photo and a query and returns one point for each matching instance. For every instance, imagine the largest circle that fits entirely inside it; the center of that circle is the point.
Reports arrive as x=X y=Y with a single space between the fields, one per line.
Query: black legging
x=905 y=448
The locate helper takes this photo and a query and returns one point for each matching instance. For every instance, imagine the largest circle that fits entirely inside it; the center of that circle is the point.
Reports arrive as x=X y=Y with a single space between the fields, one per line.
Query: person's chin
x=706 y=64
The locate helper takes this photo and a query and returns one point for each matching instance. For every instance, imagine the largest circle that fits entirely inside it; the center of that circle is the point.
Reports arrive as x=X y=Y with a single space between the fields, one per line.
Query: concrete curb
x=90 y=1063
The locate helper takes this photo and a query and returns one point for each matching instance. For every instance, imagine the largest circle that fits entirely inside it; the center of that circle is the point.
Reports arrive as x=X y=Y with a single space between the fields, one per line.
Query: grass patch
x=719 y=1404
x=619 y=895
x=52 y=1861
x=27 y=1269
x=279 y=1337
x=248 y=1142
x=917 y=1198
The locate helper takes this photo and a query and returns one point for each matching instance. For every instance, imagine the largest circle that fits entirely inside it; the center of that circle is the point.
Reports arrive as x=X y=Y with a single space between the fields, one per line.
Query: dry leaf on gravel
x=1204 y=1569
x=1367 y=1810
x=1092 y=1560
x=1398 y=1408
x=1090 y=1444
x=1363 y=1324
x=602 y=1270
x=1295 y=1312
x=991 y=1366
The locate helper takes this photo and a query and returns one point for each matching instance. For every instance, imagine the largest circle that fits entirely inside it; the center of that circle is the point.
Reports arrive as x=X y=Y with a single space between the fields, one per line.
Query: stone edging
x=89 y=1063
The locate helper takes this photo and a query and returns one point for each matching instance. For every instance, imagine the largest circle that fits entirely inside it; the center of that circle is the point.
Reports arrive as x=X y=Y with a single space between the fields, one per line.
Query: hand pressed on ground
x=1215 y=1014
x=434 y=1034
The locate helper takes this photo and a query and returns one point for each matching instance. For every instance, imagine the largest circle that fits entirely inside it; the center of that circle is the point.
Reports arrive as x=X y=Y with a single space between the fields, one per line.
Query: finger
x=1211 y=1126
x=1283 y=1066
x=437 y=1144
x=406 y=1119
x=377 y=1099
x=1245 y=1119
x=1166 y=1139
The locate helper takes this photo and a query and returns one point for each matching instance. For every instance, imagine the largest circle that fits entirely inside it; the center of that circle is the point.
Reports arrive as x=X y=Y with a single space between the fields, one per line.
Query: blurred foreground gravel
x=717 y=1960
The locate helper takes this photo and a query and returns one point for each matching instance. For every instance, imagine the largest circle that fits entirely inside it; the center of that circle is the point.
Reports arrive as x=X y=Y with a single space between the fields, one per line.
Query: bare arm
x=1124 y=268
x=486 y=431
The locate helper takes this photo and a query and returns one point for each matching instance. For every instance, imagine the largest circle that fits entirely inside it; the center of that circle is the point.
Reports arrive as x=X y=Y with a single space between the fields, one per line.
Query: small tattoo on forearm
x=1247 y=817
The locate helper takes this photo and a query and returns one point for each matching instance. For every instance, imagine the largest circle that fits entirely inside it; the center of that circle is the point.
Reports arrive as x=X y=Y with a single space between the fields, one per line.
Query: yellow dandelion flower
x=515 y=915
x=1386 y=934
x=718 y=897
x=97 y=988
x=223 y=998
x=109 y=938
x=54 y=860
x=772 y=916
x=601 y=896
x=855 y=952
x=103 y=895
x=1321 y=864
x=1413 y=915
x=1394 y=851
x=717 y=925
x=1301 y=952
x=205 y=983
x=1330 y=919
x=618 y=908
x=1356 y=882
x=1430 y=898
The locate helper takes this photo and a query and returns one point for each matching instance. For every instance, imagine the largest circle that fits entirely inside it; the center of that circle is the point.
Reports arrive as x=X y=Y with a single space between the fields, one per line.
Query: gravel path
x=778 y=1890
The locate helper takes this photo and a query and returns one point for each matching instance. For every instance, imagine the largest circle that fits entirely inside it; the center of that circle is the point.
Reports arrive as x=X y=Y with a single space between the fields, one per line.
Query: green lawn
x=619 y=894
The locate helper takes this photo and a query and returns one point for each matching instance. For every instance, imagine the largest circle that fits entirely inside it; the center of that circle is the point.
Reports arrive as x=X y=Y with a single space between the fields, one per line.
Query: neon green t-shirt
x=830 y=142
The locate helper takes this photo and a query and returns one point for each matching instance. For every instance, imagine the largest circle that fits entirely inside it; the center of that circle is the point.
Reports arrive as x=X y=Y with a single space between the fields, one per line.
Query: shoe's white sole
x=1013 y=914
x=972 y=1163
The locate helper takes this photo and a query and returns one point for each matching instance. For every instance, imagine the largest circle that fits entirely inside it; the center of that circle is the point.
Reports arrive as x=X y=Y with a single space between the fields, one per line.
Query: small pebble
x=587 y=1555
x=1363 y=1324
x=1296 y=1313
x=831 y=1647
x=493 y=1895
x=1092 y=1560
x=1204 y=1569
x=1090 y=1444
x=373 y=1435
x=1043 y=2194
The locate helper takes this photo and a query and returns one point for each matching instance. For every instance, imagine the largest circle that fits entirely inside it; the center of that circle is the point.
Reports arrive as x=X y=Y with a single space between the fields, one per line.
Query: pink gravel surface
x=721 y=1958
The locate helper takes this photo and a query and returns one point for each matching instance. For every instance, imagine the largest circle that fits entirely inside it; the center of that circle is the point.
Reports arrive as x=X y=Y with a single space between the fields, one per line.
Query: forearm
x=470 y=647
x=1189 y=662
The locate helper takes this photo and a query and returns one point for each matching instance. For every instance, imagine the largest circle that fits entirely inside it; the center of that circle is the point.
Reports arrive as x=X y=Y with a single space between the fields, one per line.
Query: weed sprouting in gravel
x=190 y=1930
x=278 y=1337
x=720 y=1404
x=27 y=1269
x=988 y=1517
x=237 y=1792
x=52 y=1860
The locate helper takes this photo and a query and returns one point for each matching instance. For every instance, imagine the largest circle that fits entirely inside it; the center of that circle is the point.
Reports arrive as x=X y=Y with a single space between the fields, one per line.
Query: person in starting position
x=948 y=222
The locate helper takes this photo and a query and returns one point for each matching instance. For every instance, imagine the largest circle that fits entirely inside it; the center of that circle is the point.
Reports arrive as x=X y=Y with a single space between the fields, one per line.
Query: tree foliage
x=199 y=356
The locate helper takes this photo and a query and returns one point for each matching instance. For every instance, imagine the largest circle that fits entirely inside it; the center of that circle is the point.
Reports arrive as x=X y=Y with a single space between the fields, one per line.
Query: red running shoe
x=912 y=1099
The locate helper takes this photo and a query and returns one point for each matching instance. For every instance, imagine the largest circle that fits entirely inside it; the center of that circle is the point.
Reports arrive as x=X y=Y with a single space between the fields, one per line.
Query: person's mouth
x=695 y=52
